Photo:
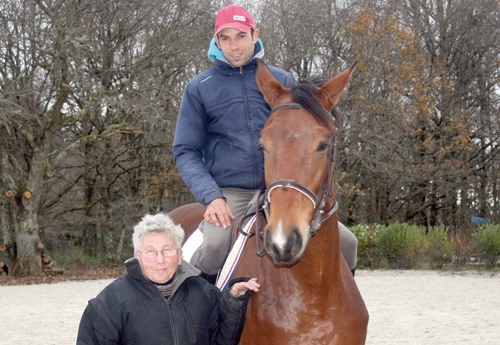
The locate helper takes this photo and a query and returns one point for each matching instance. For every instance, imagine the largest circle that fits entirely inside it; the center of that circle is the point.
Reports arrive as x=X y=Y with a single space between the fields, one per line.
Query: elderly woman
x=162 y=299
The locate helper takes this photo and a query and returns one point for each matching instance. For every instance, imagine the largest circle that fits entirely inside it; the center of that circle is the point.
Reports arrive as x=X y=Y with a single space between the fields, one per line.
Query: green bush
x=402 y=245
x=438 y=247
x=406 y=246
x=486 y=242
x=368 y=252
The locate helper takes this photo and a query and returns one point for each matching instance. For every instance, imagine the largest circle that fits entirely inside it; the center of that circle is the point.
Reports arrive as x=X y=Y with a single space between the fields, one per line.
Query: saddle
x=240 y=226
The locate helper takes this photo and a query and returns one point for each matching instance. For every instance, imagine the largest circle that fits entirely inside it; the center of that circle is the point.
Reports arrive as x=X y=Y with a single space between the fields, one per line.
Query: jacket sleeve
x=286 y=79
x=96 y=328
x=188 y=148
x=232 y=314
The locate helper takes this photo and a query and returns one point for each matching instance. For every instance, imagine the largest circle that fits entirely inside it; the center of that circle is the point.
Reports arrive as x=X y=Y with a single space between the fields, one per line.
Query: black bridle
x=318 y=200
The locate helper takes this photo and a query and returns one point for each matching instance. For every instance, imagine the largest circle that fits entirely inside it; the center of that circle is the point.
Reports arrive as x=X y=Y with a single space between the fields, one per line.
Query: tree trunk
x=23 y=218
x=28 y=260
x=5 y=220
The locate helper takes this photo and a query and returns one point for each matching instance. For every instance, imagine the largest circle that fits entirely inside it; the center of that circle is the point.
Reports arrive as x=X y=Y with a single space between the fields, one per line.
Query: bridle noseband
x=318 y=200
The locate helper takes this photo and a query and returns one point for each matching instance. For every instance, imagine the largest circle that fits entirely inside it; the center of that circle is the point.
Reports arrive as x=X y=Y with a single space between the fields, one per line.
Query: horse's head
x=299 y=144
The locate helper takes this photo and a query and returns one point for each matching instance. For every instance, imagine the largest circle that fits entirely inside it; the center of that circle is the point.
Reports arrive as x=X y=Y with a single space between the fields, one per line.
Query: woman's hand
x=239 y=289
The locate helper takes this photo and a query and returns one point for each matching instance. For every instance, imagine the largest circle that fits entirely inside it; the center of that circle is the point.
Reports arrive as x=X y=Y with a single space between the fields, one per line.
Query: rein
x=318 y=200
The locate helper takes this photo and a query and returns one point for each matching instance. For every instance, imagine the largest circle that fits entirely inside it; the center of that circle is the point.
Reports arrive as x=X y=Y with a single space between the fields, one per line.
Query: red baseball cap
x=233 y=16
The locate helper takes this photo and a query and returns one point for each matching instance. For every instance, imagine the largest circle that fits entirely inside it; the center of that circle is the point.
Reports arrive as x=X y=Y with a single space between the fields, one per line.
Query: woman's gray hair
x=159 y=223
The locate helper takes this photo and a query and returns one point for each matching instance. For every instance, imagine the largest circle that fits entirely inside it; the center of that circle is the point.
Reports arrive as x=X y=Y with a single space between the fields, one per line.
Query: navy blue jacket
x=216 y=142
x=132 y=311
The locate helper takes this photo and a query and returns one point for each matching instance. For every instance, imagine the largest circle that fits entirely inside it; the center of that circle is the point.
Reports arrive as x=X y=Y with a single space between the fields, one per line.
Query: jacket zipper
x=171 y=317
x=250 y=128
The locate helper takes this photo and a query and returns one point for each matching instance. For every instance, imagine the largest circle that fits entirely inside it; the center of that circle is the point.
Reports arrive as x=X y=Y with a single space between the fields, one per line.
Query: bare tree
x=303 y=37
x=100 y=77
x=35 y=91
x=417 y=141
x=148 y=63
x=90 y=92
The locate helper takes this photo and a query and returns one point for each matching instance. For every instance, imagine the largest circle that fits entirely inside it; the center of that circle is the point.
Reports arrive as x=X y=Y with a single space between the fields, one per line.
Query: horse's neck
x=322 y=260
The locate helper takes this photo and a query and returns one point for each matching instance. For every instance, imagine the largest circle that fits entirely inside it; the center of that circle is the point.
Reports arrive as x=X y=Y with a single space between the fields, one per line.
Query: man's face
x=237 y=46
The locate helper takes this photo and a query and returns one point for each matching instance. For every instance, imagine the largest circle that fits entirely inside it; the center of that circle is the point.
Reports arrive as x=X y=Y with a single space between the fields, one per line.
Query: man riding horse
x=216 y=143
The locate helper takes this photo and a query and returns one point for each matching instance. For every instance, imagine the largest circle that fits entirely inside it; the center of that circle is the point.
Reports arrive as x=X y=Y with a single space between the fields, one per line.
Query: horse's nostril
x=295 y=241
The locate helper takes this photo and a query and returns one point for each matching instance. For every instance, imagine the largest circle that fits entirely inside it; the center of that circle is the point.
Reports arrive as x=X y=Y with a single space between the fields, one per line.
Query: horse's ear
x=268 y=85
x=331 y=91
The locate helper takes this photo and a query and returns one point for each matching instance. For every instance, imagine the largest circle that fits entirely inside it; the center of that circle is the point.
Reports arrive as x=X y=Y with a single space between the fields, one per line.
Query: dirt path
x=406 y=307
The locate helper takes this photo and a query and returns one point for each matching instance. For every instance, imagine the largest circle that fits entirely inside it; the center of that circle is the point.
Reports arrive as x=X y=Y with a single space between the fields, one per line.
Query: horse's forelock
x=316 y=80
x=305 y=93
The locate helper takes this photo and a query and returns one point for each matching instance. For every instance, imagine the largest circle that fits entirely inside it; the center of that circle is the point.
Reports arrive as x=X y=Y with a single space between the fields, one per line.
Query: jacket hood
x=215 y=53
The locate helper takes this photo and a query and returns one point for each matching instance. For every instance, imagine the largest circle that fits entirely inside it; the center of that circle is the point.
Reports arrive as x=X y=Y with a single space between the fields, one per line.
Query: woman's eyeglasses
x=151 y=253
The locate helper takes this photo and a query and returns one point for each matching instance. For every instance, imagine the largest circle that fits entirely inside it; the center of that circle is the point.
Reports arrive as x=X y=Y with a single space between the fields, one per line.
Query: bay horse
x=308 y=293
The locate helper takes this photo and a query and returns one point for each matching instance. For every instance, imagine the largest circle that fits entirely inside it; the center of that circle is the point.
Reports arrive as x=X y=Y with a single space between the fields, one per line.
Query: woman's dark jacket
x=131 y=310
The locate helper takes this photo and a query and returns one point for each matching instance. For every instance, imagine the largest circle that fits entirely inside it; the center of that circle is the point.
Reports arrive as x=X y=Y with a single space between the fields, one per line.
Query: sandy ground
x=421 y=307
x=406 y=307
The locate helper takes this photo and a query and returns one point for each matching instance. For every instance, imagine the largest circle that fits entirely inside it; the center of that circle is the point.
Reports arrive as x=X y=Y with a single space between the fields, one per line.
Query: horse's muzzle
x=285 y=252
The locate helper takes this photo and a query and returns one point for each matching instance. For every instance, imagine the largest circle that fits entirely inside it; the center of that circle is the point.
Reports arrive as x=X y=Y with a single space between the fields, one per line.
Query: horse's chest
x=293 y=326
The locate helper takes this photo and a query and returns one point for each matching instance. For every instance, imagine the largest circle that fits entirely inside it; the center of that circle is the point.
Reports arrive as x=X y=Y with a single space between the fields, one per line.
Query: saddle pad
x=192 y=244
x=233 y=258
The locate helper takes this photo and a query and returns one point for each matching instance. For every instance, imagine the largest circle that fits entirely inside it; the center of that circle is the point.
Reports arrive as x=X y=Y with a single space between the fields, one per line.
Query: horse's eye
x=323 y=147
x=262 y=147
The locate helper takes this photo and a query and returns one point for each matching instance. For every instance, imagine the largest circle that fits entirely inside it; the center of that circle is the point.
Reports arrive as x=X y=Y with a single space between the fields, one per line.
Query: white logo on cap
x=239 y=18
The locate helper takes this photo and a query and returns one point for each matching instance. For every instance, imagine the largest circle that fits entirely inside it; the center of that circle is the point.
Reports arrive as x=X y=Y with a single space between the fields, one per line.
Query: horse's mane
x=305 y=93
